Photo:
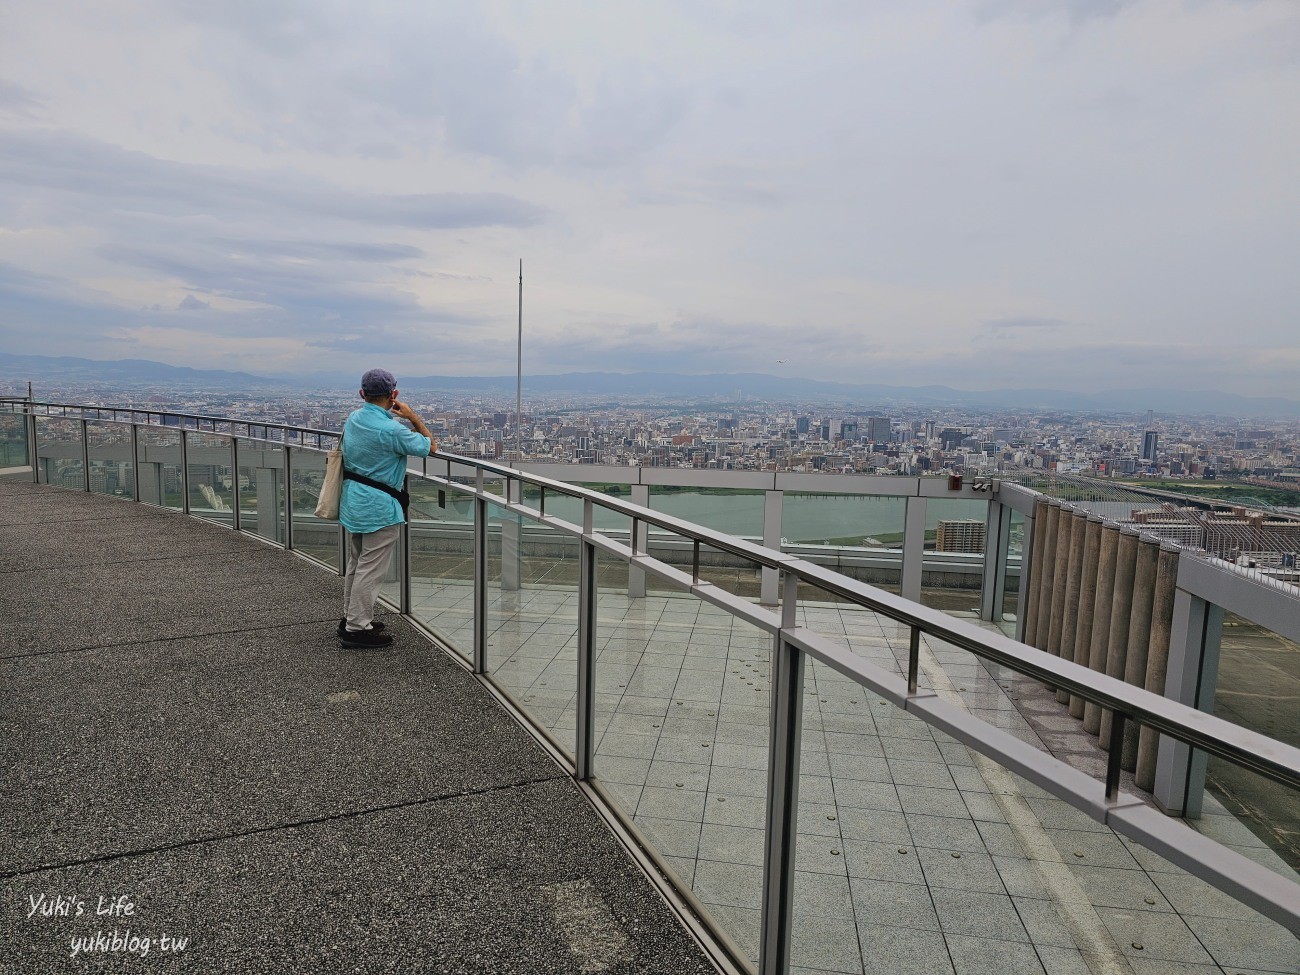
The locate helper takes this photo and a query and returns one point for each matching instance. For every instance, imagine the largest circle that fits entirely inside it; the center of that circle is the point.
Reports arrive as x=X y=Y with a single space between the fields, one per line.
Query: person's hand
x=402 y=410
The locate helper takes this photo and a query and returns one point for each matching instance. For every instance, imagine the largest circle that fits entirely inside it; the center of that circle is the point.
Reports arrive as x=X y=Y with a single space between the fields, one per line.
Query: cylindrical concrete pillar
x=1035 y=581
x=1101 y=617
x=1121 y=607
x=1139 y=634
x=1073 y=579
x=1162 y=621
x=1087 y=602
x=1049 y=571
x=1060 y=574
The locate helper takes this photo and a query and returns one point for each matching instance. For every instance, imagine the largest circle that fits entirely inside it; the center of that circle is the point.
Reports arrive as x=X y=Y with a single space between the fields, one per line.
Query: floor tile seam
x=558 y=775
x=168 y=639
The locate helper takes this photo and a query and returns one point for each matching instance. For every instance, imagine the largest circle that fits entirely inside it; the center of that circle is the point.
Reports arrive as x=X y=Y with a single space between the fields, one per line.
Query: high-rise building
x=878 y=429
x=960 y=535
x=1150 y=441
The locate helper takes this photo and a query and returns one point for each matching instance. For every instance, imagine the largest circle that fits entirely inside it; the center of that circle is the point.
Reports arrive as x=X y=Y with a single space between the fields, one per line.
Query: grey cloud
x=1029 y=322
x=190 y=303
x=1078 y=11
x=121 y=179
x=321 y=250
x=306 y=296
x=440 y=75
x=18 y=102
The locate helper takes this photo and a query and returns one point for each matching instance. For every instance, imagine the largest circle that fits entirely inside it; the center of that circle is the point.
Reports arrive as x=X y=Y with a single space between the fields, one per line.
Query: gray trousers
x=368 y=559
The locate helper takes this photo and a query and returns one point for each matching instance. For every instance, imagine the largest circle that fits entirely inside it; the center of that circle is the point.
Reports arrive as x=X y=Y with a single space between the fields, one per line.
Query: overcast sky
x=1001 y=193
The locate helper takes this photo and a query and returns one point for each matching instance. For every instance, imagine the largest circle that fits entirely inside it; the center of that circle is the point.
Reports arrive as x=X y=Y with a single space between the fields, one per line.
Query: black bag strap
x=403 y=497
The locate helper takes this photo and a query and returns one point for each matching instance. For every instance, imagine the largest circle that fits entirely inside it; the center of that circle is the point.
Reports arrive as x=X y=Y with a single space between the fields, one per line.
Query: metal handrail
x=1241 y=746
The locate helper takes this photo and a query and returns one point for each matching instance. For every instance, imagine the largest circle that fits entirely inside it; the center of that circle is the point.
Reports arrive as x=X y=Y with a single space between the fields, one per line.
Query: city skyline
x=1088 y=195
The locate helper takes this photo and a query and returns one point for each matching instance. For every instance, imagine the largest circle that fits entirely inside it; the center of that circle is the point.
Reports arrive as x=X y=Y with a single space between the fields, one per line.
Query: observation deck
x=181 y=729
x=580 y=755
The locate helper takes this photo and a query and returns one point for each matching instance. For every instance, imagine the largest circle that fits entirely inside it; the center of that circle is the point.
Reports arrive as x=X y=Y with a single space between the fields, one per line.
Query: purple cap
x=378 y=382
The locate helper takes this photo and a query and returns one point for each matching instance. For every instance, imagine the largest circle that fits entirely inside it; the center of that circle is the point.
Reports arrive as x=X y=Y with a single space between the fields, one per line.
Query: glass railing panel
x=570 y=508
x=954 y=554
x=15 y=464
x=158 y=476
x=442 y=563
x=58 y=452
x=860 y=536
x=311 y=535
x=682 y=723
x=871 y=636
x=1258 y=688
x=112 y=470
x=532 y=625
x=261 y=489
x=1011 y=567
x=734 y=573
x=734 y=511
x=211 y=476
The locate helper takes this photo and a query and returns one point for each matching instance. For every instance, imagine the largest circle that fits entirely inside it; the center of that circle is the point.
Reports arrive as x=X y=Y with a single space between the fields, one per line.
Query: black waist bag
x=403 y=497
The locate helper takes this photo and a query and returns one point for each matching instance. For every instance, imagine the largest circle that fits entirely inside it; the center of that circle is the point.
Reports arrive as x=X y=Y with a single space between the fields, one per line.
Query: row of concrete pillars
x=1102 y=596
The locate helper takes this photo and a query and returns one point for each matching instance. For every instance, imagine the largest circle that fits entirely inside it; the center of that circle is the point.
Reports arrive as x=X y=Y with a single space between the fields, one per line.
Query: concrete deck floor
x=181 y=736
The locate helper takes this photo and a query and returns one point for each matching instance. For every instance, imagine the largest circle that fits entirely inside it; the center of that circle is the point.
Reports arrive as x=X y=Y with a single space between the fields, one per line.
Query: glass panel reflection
x=58 y=452
x=532 y=625
x=211 y=476
x=159 y=473
x=261 y=489
x=112 y=471
x=317 y=538
x=682 y=692
x=14 y=463
x=442 y=563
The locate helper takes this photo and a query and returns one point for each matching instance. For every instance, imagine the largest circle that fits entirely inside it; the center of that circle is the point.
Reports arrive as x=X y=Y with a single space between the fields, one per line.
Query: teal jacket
x=376 y=445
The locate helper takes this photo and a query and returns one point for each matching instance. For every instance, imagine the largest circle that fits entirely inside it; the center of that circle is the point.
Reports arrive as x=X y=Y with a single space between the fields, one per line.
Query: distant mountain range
x=15 y=370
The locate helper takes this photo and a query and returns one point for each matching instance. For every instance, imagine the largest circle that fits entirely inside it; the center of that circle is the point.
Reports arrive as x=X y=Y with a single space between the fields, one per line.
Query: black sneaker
x=365 y=638
x=374 y=625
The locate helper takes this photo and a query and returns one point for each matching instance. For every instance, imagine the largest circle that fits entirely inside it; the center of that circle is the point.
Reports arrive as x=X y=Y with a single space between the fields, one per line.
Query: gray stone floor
x=915 y=854
x=181 y=729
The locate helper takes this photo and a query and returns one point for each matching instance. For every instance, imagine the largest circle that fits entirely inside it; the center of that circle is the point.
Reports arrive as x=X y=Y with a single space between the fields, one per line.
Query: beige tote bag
x=328 y=505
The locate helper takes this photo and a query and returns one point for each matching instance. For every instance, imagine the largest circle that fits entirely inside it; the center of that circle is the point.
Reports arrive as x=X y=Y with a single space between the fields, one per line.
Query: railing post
x=135 y=460
x=771 y=539
x=1190 y=677
x=185 y=470
x=1024 y=598
x=782 y=793
x=234 y=476
x=512 y=530
x=997 y=536
x=85 y=454
x=913 y=549
x=288 y=495
x=30 y=423
x=584 y=745
x=404 y=568
x=636 y=576
x=480 y=582
x=913 y=660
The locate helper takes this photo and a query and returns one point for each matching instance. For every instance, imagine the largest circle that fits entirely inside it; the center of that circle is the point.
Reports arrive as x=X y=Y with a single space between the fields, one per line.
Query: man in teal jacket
x=375 y=447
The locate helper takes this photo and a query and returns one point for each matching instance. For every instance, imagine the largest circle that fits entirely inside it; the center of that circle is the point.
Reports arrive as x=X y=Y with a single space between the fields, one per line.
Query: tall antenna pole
x=519 y=373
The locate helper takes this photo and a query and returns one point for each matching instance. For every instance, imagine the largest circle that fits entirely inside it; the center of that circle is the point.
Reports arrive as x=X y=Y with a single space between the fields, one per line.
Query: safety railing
x=494 y=508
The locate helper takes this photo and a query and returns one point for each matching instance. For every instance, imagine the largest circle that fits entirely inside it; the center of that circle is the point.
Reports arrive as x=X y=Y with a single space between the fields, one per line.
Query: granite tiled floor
x=915 y=854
